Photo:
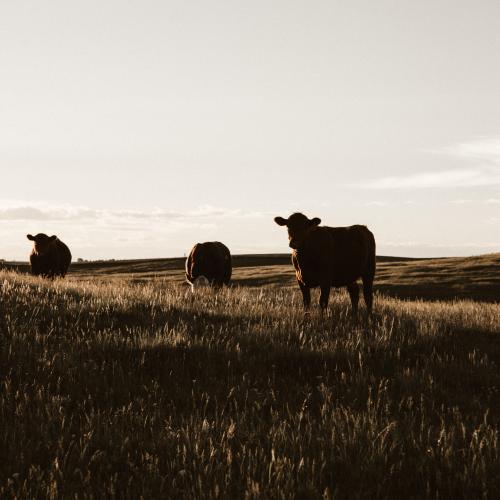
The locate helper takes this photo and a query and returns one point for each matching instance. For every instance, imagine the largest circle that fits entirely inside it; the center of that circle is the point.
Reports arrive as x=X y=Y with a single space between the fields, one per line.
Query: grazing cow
x=211 y=260
x=331 y=256
x=199 y=282
x=50 y=257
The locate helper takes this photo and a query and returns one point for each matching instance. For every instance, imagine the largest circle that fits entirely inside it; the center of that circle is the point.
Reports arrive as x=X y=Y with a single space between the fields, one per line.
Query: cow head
x=200 y=282
x=298 y=226
x=42 y=242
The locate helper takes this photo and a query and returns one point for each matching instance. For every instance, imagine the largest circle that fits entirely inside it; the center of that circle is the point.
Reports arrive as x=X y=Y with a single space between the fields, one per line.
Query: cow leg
x=306 y=296
x=368 y=293
x=368 y=276
x=324 y=297
x=353 y=290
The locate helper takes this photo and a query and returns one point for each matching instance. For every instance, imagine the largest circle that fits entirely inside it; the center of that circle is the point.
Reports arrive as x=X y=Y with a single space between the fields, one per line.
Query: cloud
x=376 y=204
x=425 y=249
x=472 y=177
x=423 y=244
x=120 y=233
x=42 y=212
x=45 y=213
x=485 y=150
x=468 y=201
x=461 y=201
x=493 y=221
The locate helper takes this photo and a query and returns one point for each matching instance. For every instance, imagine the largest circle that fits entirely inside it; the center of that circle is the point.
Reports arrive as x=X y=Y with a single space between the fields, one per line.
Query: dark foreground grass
x=119 y=390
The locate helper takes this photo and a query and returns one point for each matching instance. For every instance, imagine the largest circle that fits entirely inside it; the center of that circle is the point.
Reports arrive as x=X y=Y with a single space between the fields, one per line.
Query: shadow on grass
x=126 y=347
x=150 y=373
x=432 y=292
x=116 y=371
x=483 y=342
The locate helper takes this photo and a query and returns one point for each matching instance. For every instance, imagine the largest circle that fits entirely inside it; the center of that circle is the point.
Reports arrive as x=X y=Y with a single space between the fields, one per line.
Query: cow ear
x=30 y=237
x=280 y=221
x=316 y=221
x=53 y=237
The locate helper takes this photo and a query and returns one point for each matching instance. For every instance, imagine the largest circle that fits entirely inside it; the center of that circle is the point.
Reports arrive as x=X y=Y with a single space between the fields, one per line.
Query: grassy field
x=476 y=278
x=119 y=382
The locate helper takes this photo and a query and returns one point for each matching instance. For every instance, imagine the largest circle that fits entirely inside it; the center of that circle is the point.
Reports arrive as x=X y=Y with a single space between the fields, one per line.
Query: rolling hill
x=476 y=278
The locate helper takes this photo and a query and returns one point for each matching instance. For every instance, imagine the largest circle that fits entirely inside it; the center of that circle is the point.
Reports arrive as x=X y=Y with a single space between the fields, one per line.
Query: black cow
x=331 y=256
x=211 y=260
x=50 y=257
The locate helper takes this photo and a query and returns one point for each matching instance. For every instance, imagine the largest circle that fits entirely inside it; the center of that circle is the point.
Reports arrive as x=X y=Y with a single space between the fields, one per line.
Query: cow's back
x=338 y=255
x=211 y=259
x=222 y=257
x=63 y=257
x=353 y=253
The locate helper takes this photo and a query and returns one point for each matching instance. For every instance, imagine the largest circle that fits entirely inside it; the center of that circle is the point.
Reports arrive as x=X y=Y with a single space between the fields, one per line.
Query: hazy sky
x=136 y=128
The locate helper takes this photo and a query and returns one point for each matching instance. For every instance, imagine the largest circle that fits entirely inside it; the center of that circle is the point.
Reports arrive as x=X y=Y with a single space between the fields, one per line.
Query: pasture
x=119 y=382
x=475 y=278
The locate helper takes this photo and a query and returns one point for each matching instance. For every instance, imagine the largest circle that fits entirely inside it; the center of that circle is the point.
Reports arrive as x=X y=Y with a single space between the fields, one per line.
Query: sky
x=134 y=129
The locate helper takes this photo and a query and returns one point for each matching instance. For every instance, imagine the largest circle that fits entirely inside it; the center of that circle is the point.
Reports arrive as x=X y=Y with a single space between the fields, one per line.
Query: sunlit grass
x=147 y=389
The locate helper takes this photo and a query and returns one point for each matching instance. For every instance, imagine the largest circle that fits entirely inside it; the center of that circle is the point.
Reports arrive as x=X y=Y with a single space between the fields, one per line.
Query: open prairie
x=476 y=278
x=120 y=382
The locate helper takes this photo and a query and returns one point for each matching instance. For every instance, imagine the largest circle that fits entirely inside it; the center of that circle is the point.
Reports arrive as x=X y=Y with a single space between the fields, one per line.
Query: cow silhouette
x=50 y=257
x=331 y=257
x=211 y=260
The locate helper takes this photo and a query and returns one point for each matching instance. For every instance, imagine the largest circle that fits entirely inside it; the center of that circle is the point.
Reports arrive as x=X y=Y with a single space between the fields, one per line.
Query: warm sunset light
x=250 y=249
x=133 y=129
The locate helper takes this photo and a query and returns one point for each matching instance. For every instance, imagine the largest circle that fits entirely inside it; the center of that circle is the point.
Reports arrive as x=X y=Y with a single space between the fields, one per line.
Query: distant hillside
x=159 y=266
x=477 y=278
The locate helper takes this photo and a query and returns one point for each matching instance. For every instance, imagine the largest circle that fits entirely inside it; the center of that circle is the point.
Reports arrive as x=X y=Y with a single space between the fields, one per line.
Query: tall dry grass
x=148 y=390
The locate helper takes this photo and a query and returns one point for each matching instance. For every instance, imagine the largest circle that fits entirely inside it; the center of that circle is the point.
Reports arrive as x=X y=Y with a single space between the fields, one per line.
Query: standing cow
x=331 y=256
x=50 y=257
x=210 y=260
